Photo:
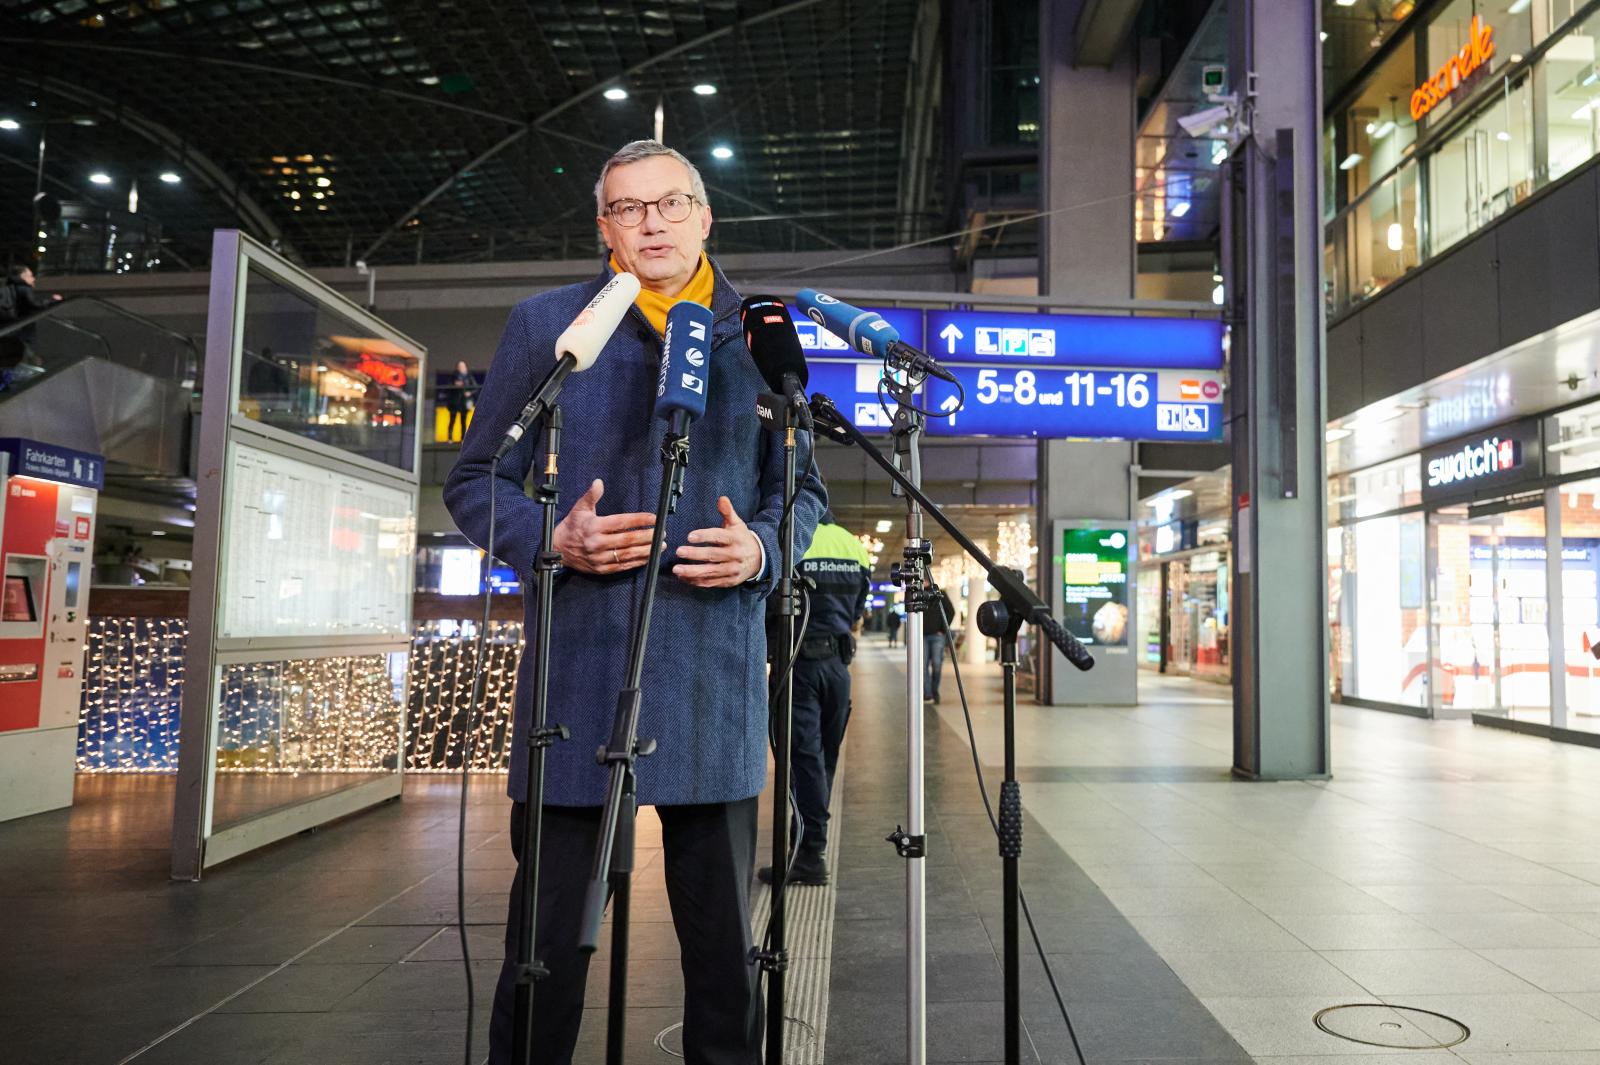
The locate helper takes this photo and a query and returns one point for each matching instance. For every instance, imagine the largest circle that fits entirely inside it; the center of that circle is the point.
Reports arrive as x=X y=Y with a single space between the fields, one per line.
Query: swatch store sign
x=1484 y=464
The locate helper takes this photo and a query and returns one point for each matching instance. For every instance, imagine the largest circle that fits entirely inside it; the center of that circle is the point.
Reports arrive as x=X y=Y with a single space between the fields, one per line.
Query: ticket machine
x=47 y=512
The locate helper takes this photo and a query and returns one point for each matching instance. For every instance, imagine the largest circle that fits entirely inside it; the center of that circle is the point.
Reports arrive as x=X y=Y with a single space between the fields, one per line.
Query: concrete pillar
x=1086 y=253
x=1272 y=245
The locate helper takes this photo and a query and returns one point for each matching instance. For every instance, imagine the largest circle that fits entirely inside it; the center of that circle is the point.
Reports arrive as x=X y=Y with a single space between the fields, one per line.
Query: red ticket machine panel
x=46 y=555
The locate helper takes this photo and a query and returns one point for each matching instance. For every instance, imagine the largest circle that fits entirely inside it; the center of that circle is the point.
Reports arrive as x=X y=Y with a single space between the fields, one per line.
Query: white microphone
x=577 y=348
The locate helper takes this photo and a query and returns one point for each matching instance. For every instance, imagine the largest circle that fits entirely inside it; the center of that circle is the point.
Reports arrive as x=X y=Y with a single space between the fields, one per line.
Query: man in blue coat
x=705 y=692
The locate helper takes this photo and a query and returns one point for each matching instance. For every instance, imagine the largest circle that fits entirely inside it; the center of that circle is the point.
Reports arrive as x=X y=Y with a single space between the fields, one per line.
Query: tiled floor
x=1189 y=917
x=1444 y=866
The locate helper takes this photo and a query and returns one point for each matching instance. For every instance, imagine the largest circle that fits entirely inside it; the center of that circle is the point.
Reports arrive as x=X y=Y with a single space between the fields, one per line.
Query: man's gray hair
x=633 y=152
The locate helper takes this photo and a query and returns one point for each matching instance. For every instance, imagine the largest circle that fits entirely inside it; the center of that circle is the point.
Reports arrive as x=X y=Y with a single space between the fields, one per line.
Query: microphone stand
x=774 y=958
x=614 y=851
x=540 y=737
x=1004 y=619
x=914 y=573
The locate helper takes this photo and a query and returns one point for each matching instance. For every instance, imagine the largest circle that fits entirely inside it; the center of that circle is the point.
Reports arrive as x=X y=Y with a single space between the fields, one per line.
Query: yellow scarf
x=655 y=306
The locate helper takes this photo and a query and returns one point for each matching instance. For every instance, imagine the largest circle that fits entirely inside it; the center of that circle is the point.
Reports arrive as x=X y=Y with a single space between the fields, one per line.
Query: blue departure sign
x=1053 y=403
x=853 y=387
x=818 y=343
x=1074 y=340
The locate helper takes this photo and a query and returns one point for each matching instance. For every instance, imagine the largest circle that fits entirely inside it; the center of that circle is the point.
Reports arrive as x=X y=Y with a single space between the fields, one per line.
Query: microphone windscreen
x=773 y=343
x=594 y=325
x=865 y=331
x=685 y=352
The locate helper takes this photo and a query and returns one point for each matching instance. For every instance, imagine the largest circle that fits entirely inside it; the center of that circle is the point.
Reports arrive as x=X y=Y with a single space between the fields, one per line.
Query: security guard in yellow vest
x=837 y=570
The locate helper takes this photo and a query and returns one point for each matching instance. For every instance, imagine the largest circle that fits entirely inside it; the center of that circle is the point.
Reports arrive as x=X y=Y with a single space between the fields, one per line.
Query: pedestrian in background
x=893 y=623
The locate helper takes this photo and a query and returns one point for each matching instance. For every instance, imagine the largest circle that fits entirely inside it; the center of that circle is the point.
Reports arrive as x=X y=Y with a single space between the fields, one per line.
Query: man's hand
x=590 y=543
x=721 y=558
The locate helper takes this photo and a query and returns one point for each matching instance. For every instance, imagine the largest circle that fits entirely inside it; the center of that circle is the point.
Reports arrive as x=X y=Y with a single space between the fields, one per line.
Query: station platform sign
x=1173 y=405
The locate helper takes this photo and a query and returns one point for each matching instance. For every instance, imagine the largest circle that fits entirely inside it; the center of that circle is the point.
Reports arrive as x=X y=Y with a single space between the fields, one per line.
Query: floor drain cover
x=797 y=1035
x=1401 y=1027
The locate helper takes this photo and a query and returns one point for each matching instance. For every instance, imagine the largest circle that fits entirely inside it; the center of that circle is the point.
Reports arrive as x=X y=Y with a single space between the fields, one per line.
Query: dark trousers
x=457 y=414
x=932 y=664
x=816 y=731
x=709 y=854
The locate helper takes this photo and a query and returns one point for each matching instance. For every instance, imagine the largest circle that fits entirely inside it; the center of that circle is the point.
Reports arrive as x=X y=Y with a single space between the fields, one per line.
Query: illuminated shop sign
x=1094 y=585
x=1473 y=55
x=1493 y=455
x=1487 y=460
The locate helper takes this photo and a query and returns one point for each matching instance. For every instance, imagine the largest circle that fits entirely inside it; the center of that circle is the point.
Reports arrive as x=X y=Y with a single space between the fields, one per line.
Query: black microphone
x=773 y=343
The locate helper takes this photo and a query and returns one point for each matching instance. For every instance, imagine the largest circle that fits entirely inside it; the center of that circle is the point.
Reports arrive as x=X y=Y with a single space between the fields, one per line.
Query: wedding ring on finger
x=616 y=559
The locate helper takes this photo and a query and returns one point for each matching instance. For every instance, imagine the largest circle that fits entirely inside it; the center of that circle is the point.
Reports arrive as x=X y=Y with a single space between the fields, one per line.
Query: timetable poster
x=1094 y=579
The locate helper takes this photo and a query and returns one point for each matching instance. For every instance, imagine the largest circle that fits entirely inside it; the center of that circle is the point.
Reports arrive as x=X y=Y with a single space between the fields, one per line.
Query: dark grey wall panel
x=1550 y=260
x=1460 y=307
x=1391 y=342
x=1344 y=367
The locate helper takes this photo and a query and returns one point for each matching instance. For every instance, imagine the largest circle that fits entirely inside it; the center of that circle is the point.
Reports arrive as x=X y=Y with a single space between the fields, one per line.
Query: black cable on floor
x=977 y=767
x=469 y=750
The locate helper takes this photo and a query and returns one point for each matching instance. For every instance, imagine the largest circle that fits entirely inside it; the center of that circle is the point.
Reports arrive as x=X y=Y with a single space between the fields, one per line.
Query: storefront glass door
x=1490 y=610
x=1580 y=604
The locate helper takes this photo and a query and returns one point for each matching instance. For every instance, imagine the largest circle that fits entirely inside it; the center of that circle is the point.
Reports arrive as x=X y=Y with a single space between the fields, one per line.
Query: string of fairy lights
x=335 y=714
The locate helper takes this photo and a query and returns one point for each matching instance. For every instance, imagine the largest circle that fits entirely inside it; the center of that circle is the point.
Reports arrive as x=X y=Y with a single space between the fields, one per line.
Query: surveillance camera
x=1203 y=123
x=361 y=266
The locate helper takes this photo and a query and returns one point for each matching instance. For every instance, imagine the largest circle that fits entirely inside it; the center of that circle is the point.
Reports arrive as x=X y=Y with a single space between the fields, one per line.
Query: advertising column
x=1093 y=563
x=47 y=510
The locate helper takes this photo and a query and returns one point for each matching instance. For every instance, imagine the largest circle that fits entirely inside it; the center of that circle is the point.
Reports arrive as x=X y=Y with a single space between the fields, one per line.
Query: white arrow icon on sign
x=950 y=334
x=951 y=402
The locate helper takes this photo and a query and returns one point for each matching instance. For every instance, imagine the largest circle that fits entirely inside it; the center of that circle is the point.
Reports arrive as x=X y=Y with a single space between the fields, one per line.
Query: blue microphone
x=681 y=386
x=868 y=333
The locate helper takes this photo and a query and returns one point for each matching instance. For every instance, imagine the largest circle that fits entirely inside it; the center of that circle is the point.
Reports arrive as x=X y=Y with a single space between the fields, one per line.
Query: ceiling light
x=1323 y=35
x=1518 y=7
x=722 y=151
x=1583 y=112
x=705 y=89
x=1335 y=435
x=158 y=532
x=1345 y=3
x=100 y=177
x=1370 y=127
x=10 y=124
x=1179 y=493
x=884 y=526
x=1592 y=77
x=84 y=120
x=1219 y=295
x=1180 y=209
x=1397 y=239
x=1383 y=131
x=170 y=177
x=615 y=93
x=1219 y=152
x=1351 y=161
x=431 y=79
x=1502 y=136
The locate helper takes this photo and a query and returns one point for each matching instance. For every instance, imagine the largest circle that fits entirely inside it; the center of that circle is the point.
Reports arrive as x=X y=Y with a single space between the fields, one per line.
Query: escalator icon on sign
x=1183 y=418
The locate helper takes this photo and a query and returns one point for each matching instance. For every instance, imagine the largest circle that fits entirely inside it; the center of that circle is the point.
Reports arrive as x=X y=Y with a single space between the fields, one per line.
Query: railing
x=87 y=327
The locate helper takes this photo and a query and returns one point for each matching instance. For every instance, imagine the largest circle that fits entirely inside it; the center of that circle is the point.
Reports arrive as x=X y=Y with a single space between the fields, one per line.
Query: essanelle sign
x=1483 y=463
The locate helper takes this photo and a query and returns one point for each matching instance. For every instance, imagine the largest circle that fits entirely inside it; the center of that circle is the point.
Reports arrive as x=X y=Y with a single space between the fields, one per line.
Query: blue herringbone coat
x=704 y=684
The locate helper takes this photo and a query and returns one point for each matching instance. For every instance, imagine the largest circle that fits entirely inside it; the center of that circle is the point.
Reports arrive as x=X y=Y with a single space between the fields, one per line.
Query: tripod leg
x=621 y=897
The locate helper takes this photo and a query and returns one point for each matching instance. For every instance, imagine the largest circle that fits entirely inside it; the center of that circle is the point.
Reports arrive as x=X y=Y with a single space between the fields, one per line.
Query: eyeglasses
x=674 y=207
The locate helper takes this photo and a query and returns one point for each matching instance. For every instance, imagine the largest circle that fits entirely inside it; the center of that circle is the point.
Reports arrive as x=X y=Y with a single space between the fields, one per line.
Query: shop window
x=1378 y=606
x=1483 y=169
x=1572 y=99
x=1450 y=34
x=1491 y=648
x=1572 y=440
x=1383 y=234
x=1580 y=602
x=1376 y=131
x=1376 y=490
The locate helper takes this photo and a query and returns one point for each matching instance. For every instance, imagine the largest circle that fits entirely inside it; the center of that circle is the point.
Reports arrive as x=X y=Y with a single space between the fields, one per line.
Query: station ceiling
x=458 y=130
